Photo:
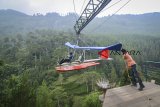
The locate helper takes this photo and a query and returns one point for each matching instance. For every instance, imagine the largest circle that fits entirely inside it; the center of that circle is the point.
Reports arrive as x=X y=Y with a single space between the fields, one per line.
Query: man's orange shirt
x=129 y=59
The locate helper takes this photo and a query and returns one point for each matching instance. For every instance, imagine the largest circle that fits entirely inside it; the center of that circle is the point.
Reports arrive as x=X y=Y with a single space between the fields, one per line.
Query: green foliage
x=113 y=75
x=29 y=79
x=124 y=80
x=44 y=98
x=6 y=73
x=22 y=92
x=92 y=100
x=89 y=78
x=78 y=101
x=60 y=97
x=1 y=63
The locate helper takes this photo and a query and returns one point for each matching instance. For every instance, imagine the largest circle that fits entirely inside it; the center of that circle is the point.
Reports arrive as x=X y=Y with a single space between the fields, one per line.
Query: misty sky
x=64 y=6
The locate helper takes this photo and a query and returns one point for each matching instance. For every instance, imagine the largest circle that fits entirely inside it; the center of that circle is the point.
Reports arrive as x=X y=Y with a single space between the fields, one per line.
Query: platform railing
x=151 y=71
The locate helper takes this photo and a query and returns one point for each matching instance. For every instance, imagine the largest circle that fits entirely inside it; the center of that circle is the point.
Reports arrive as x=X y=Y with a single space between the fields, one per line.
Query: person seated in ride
x=131 y=65
x=68 y=59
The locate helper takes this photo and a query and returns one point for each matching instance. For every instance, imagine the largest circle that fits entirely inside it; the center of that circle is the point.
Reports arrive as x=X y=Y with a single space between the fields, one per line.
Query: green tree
x=89 y=78
x=22 y=92
x=60 y=96
x=92 y=100
x=43 y=98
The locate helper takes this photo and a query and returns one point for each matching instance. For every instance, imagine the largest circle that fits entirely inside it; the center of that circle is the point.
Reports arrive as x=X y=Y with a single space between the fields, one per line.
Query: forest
x=28 y=60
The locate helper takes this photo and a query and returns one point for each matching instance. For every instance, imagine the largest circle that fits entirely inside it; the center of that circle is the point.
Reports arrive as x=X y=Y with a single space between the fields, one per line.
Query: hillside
x=31 y=46
x=13 y=21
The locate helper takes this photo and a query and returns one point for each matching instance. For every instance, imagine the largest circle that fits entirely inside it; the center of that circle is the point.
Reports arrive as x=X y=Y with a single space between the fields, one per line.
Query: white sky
x=64 y=6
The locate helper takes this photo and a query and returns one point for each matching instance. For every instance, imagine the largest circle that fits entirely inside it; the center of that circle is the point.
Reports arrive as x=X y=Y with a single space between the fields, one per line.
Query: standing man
x=131 y=64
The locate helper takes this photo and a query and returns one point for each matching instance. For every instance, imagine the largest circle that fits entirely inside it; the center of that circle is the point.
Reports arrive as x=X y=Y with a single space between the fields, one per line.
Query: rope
x=74 y=6
x=77 y=42
x=111 y=15
x=78 y=37
x=82 y=6
x=111 y=6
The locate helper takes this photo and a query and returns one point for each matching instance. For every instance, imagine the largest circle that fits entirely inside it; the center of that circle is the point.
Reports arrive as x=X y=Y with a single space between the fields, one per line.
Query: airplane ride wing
x=116 y=47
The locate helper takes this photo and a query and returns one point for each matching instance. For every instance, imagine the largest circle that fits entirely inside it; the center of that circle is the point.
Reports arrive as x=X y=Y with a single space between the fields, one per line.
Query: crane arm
x=91 y=10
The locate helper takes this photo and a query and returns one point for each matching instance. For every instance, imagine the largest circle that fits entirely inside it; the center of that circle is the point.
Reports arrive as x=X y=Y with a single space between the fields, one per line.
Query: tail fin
x=104 y=54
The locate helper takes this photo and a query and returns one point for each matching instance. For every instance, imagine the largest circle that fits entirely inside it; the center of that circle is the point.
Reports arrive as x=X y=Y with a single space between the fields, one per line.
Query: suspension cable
x=77 y=42
x=82 y=6
x=74 y=6
x=78 y=37
x=111 y=5
x=111 y=15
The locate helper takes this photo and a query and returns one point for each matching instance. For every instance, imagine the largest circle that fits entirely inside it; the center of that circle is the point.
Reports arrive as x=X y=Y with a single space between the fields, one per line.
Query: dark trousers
x=64 y=60
x=134 y=75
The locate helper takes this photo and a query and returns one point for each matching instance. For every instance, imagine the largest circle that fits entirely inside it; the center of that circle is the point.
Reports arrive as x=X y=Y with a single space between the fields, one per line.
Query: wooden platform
x=129 y=96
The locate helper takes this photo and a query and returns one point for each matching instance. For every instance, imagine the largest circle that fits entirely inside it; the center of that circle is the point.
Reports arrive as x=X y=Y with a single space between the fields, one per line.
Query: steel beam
x=91 y=10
